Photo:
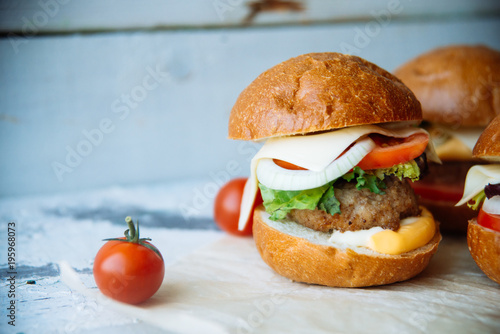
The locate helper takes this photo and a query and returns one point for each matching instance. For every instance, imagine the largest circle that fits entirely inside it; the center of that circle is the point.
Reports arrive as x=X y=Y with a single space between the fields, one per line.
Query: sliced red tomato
x=438 y=192
x=392 y=151
x=488 y=220
x=287 y=165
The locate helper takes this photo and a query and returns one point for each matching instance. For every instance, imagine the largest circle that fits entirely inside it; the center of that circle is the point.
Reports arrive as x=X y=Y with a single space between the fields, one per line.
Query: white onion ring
x=492 y=205
x=278 y=178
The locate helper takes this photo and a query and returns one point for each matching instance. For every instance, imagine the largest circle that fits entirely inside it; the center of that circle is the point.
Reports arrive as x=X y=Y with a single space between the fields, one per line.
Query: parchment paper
x=226 y=288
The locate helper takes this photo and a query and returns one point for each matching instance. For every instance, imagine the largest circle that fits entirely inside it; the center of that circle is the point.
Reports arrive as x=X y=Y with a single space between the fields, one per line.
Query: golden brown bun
x=484 y=246
x=458 y=85
x=452 y=219
x=488 y=144
x=318 y=92
x=301 y=260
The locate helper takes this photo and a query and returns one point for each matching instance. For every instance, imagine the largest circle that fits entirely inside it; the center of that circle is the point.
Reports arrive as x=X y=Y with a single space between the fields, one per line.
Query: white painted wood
x=56 y=91
x=25 y=17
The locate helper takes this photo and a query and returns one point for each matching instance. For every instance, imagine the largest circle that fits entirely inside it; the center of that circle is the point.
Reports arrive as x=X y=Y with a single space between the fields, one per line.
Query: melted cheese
x=460 y=144
x=360 y=238
x=413 y=233
x=313 y=152
x=477 y=178
x=454 y=149
x=468 y=136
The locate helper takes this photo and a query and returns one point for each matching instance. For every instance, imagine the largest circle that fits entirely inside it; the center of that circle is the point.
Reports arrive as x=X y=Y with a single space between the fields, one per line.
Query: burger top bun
x=457 y=85
x=488 y=144
x=318 y=92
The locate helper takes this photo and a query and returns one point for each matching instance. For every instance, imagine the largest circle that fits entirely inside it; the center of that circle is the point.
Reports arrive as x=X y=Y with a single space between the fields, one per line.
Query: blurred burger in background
x=482 y=193
x=459 y=89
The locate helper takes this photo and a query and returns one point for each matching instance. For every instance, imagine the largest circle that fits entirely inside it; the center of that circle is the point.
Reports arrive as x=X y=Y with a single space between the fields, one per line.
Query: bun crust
x=488 y=144
x=457 y=85
x=484 y=246
x=318 y=92
x=304 y=261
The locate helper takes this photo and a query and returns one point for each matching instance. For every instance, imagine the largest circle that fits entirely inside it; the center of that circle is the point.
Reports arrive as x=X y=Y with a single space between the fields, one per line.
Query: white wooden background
x=100 y=93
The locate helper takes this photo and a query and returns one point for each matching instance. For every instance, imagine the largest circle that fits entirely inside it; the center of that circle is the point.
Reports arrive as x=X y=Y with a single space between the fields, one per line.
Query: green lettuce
x=366 y=181
x=408 y=170
x=478 y=199
x=279 y=203
x=328 y=202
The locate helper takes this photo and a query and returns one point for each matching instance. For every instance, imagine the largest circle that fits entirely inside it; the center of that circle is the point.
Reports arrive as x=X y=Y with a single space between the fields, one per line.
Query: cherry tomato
x=488 y=220
x=129 y=269
x=393 y=151
x=227 y=207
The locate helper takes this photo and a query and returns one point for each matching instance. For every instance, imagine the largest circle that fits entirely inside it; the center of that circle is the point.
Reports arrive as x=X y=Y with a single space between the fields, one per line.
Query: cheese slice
x=453 y=149
x=413 y=233
x=461 y=143
x=314 y=152
x=468 y=136
x=353 y=239
x=477 y=178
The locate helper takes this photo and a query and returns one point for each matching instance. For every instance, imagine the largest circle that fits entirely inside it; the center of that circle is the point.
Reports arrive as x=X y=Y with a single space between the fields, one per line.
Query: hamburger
x=340 y=144
x=482 y=192
x=459 y=89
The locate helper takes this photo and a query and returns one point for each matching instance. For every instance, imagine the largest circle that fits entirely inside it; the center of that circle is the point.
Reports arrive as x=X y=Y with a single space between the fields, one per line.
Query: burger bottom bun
x=452 y=219
x=304 y=255
x=484 y=246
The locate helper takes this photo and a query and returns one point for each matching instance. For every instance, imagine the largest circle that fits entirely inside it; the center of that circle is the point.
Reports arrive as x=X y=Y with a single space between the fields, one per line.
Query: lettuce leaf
x=408 y=170
x=478 y=199
x=366 y=180
x=329 y=203
x=279 y=203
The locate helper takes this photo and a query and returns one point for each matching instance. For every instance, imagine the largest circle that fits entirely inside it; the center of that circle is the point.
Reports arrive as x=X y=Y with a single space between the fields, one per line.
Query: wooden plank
x=25 y=17
x=154 y=106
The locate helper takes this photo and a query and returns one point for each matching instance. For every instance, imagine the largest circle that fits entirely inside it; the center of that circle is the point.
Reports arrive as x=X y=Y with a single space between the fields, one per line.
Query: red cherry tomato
x=130 y=269
x=227 y=207
x=393 y=151
x=488 y=220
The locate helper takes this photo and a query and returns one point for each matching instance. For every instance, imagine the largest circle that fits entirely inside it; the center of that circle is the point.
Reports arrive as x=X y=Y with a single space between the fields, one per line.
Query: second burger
x=459 y=89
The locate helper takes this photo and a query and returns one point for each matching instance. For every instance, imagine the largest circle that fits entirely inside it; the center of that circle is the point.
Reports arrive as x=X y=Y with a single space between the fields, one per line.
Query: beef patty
x=362 y=209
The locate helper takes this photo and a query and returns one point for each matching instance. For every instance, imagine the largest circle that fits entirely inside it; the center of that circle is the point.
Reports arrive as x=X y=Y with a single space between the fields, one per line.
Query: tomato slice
x=438 y=192
x=488 y=220
x=392 y=151
x=287 y=165
x=388 y=152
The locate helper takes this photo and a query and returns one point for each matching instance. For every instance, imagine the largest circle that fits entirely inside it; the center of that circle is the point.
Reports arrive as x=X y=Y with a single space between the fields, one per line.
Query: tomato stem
x=132 y=235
